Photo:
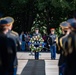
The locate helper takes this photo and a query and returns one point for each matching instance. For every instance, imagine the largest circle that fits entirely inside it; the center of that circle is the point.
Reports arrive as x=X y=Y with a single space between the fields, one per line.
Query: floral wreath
x=36 y=40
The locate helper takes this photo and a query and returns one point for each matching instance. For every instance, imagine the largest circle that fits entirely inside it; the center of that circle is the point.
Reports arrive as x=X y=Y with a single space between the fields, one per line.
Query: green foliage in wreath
x=32 y=40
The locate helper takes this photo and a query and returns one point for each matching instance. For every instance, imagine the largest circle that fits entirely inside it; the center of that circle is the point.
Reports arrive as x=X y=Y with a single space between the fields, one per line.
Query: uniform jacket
x=70 y=54
x=7 y=53
x=13 y=35
x=60 y=50
x=70 y=49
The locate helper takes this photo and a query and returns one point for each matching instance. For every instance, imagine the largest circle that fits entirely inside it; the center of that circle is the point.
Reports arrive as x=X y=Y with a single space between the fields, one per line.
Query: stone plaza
x=27 y=65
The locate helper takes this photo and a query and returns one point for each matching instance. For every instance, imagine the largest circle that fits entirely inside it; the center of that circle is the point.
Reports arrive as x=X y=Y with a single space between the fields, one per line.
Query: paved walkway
x=44 y=66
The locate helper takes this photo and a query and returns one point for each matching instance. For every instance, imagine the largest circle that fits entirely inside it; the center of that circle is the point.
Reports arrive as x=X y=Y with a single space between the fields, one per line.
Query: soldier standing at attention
x=7 y=48
x=65 y=31
x=52 y=43
x=36 y=45
x=70 y=49
x=14 y=35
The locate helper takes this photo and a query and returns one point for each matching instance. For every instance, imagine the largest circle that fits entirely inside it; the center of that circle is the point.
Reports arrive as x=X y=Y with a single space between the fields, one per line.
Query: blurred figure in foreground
x=14 y=36
x=65 y=32
x=70 y=49
x=7 y=47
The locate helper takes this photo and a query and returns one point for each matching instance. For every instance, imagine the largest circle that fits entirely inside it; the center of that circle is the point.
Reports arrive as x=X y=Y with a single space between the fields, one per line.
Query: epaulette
x=15 y=33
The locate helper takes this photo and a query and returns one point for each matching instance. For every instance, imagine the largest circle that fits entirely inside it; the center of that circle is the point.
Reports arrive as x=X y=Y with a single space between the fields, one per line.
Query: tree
x=41 y=13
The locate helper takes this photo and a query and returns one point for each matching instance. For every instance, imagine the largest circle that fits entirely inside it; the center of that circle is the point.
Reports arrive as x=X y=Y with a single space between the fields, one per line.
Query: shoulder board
x=15 y=33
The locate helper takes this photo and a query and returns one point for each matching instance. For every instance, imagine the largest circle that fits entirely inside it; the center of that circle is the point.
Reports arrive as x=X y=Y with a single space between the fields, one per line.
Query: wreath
x=36 y=43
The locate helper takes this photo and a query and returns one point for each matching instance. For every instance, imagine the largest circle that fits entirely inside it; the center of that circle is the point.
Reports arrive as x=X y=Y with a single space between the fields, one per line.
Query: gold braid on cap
x=11 y=18
x=8 y=24
x=64 y=27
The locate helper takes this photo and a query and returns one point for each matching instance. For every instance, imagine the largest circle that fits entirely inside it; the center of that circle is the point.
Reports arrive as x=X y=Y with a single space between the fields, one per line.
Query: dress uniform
x=64 y=26
x=52 y=43
x=70 y=49
x=7 y=48
x=14 y=35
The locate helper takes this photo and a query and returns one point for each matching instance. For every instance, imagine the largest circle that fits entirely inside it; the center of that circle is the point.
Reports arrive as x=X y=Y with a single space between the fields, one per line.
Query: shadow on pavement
x=34 y=67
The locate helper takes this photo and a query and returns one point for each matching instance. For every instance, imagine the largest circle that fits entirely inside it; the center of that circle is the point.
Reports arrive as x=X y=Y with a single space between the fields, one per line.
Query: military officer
x=70 y=49
x=14 y=35
x=65 y=31
x=7 y=48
